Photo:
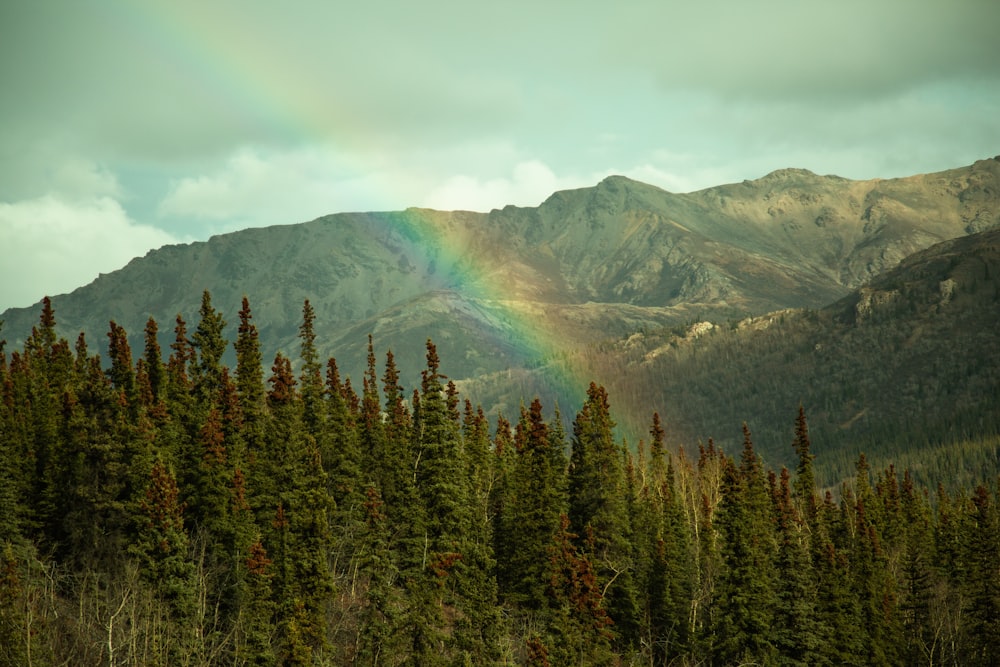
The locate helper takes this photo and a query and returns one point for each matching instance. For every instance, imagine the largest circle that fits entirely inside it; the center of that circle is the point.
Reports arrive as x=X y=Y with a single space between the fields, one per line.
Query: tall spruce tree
x=153 y=357
x=311 y=377
x=531 y=519
x=298 y=538
x=455 y=564
x=598 y=509
x=804 y=487
x=984 y=577
x=744 y=597
x=210 y=344
x=917 y=581
x=663 y=555
x=797 y=635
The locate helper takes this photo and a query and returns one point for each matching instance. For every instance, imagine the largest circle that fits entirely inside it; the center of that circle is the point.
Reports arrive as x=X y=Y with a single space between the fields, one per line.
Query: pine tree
x=210 y=344
x=340 y=446
x=250 y=379
x=100 y=479
x=597 y=508
x=181 y=405
x=454 y=561
x=838 y=608
x=121 y=374
x=744 y=597
x=476 y=441
x=13 y=484
x=153 y=356
x=580 y=626
x=255 y=627
x=396 y=463
x=917 y=581
x=40 y=375
x=952 y=528
x=311 y=379
x=984 y=580
x=663 y=553
x=380 y=620
x=797 y=635
x=441 y=474
x=804 y=487
x=530 y=521
x=163 y=544
x=299 y=529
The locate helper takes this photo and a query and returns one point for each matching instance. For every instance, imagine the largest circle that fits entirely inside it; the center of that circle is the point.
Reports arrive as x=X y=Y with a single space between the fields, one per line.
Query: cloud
x=256 y=187
x=204 y=118
x=821 y=52
x=529 y=183
x=54 y=244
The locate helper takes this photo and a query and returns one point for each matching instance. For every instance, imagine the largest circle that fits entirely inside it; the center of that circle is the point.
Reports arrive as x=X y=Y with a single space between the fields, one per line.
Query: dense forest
x=175 y=511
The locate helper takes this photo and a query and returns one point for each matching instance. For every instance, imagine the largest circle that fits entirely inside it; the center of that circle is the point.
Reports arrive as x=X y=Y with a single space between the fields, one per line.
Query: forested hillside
x=167 y=508
x=906 y=369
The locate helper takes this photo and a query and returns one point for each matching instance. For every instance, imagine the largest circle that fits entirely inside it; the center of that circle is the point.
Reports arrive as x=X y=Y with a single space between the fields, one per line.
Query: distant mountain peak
x=789 y=173
x=618 y=179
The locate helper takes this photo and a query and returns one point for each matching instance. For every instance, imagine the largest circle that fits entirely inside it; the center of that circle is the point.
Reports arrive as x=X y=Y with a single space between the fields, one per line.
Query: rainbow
x=259 y=94
x=524 y=324
x=209 y=53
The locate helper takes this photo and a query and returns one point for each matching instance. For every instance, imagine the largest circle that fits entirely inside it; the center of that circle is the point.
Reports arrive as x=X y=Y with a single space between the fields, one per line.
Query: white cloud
x=76 y=177
x=54 y=244
x=257 y=188
x=529 y=183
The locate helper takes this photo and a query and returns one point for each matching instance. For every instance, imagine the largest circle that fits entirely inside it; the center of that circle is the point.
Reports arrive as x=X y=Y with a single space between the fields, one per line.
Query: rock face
x=513 y=287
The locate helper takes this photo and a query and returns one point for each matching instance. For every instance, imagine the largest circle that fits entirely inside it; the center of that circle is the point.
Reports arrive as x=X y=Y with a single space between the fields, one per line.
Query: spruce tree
x=917 y=581
x=298 y=537
x=744 y=597
x=454 y=563
x=873 y=588
x=250 y=379
x=311 y=379
x=121 y=373
x=530 y=522
x=984 y=579
x=579 y=631
x=598 y=509
x=340 y=446
x=155 y=370
x=209 y=343
x=664 y=556
x=797 y=635
x=804 y=487
x=254 y=631
x=162 y=547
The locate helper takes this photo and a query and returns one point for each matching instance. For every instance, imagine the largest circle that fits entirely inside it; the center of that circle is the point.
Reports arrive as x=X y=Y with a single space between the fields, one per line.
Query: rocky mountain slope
x=520 y=287
x=905 y=368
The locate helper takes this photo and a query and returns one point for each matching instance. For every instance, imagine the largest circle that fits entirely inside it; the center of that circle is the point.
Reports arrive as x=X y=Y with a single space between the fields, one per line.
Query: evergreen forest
x=158 y=507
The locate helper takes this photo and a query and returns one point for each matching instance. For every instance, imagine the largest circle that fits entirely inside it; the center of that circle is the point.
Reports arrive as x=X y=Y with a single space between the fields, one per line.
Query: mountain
x=512 y=295
x=905 y=369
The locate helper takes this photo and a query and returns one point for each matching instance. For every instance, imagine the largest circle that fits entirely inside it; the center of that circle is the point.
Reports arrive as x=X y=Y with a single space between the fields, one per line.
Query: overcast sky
x=127 y=125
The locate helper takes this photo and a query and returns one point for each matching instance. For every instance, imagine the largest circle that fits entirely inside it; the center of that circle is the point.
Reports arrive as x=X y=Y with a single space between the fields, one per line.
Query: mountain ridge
x=516 y=286
x=905 y=368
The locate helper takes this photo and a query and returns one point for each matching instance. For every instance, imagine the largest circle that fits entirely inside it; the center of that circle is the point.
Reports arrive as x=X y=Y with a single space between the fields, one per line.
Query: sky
x=128 y=125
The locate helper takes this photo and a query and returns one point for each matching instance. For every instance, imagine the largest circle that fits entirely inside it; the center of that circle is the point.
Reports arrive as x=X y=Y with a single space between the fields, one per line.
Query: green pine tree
x=745 y=600
x=598 y=510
